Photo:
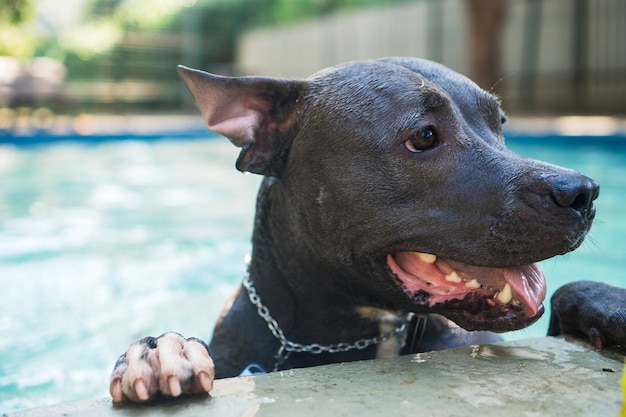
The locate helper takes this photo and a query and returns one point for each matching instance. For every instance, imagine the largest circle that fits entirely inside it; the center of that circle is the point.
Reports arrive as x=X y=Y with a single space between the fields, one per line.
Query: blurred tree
x=109 y=45
x=283 y=11
x=106 y=24
x=15 y=12
x=15 y=39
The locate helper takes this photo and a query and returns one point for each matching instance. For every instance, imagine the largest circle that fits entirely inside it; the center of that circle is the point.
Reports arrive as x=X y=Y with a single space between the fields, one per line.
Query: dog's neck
x=287 y=347
x=312 y=303
x=291 y=287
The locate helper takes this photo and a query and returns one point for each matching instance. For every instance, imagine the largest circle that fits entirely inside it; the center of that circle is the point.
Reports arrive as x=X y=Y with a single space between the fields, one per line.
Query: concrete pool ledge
x=532 y=377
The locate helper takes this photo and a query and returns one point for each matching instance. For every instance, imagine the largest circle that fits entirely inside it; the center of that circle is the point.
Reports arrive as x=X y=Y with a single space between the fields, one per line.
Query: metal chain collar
x=287 y=346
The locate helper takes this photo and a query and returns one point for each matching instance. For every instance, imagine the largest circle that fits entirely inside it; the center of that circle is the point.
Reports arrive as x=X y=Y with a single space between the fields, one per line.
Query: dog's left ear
x=257 y=114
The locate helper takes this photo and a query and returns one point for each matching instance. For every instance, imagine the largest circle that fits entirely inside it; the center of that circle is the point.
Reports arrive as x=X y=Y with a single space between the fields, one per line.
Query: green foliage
x=286 y=11
x=121 y=49
x=15 y=12
x=15 y=39
x=106 y=21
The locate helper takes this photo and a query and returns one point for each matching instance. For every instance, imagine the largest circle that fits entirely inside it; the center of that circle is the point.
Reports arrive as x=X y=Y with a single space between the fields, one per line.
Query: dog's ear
x=257 y=114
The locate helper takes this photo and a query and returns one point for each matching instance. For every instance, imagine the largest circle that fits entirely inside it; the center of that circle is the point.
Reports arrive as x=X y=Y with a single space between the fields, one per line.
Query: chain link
x=287 y=346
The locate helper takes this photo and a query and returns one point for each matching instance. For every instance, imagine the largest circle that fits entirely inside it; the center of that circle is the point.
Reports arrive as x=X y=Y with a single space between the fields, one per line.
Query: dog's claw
x=116 y=390
x=141 y=390
x=206 y=382
x=170 y=365
x=174 y=386
x=595 y=335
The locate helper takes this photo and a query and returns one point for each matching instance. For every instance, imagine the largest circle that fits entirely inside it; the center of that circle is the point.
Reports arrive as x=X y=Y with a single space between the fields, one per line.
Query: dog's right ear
x=258 y=114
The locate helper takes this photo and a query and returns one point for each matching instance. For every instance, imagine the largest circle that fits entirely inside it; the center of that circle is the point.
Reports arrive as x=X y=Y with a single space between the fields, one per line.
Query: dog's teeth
x=506 y=295
x=427 y=257
x=473 y=284
x=453 y=277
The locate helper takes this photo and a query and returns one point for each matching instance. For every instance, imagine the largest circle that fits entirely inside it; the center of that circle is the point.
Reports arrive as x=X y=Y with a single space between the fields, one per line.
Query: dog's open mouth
x=513 y=295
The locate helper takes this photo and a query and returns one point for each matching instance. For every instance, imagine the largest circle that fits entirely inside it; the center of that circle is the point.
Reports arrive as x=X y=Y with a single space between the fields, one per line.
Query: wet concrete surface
x=532 y=377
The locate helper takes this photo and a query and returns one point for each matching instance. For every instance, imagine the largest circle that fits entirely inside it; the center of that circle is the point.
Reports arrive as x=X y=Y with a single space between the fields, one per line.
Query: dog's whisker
x=593 y=244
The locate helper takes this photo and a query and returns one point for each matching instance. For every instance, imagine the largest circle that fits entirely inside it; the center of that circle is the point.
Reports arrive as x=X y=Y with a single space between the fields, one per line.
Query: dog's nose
x=577 y=192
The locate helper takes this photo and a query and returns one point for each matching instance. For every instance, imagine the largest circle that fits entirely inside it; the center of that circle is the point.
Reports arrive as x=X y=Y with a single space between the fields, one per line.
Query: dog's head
x=397 y=173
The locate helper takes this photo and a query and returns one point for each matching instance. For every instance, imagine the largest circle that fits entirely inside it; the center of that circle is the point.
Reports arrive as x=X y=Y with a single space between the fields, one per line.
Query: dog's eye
x=423 y=139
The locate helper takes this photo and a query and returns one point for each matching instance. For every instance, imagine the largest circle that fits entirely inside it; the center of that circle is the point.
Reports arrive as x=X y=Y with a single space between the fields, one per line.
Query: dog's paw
x=594 y=309
x=169 y=365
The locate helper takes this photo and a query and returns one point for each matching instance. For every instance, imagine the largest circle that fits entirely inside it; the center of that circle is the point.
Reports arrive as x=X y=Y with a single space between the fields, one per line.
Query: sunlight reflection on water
x=103 y=244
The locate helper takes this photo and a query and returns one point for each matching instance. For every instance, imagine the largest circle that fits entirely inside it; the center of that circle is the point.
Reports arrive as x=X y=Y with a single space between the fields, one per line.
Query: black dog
x=390 y=204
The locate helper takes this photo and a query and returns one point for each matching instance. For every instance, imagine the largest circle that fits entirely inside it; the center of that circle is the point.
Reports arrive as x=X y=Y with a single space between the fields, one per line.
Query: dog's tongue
x=529 y=283
x=445 y=280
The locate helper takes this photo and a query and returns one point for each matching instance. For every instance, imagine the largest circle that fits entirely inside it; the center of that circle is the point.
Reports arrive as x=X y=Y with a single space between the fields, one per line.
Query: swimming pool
x=101 y=244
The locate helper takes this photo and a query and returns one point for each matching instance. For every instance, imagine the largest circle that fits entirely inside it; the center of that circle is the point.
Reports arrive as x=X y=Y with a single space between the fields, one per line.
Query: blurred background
x=556 y=57
x=120 y=217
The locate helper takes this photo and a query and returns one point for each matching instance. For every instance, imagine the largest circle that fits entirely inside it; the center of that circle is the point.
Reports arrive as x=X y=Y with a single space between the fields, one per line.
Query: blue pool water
x=101 y=244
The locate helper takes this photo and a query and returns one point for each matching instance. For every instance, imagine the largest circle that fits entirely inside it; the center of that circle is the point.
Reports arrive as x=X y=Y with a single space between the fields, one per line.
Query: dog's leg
x=593 y=309
x=169 y=365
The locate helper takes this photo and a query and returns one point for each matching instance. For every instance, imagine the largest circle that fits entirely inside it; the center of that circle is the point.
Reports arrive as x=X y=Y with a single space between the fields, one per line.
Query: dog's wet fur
x=389 y=198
